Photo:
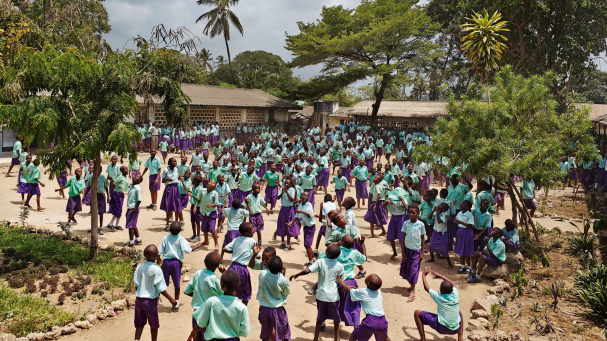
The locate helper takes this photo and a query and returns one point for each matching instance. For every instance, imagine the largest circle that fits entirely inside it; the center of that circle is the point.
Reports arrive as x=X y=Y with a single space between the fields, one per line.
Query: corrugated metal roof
x=397 y=109
x=207 y=95
x=305 y=113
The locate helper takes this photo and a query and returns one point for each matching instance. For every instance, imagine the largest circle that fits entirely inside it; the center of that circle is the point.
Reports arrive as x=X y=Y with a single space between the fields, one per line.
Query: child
x=26 y=167
x=464 y=241
x=223 y=190
x=327 y=207
x=170 y=253
x=236 y=216
x=32 y=175
x=132 y=211
x=440 y=236
x=121 y=186
x=494 y=254
x=209 y=200
x=287 y=213
x=222 y=317
x=360 y=175
x=482 y=224
x=74 y=203
x=241 y=249
x=272 y=178
x=425 y=214
x=528 y=191
x=376 y=214
x=349 y=311
x=413 y=249
x=149 y=283
x=254 y=202
x=399 y=208
x=448 y=320
x=262 y=263
x=341 y=184
x=134 y=168
x=375 y=323
x=185 y=187
x=195 y=213
x=272 y=296
x=305 y=214
x=308 y=183
x=163 y=145
x=510 y=237
x=327 y=296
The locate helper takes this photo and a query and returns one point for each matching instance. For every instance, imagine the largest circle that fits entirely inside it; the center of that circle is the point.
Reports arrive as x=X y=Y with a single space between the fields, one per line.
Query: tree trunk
x=230 y=60
x=514 y=209
x=526 y=214
x=94 y=211
x=379 y=96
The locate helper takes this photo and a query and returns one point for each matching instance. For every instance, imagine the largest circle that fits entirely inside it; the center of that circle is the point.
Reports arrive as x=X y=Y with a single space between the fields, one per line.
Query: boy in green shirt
x=74 y=203
x=494 y=254
x=272 y=296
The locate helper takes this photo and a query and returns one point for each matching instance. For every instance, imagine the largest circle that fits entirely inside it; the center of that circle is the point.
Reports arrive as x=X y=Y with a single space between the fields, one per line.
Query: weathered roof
x=598 y=112
x=397 y=109
x=207 y=95
x=304 y=113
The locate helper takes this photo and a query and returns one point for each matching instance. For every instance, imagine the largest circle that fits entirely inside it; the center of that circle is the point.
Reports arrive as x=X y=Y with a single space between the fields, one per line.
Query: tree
x=592 y=88
x=206 y=59
x=82 y=104
x=518 y=133
x=218 y=22
x=483 y=43
x=380 y=38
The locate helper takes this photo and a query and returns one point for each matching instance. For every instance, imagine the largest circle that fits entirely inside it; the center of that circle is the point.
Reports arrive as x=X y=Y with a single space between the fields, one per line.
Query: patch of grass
x=61 y=256
x=546 y=291
x=578 y=330
x=24 y=314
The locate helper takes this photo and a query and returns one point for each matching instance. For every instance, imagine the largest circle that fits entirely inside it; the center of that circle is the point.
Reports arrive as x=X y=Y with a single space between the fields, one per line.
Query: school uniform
x=255 y=203
x=374 y=323
x=171 y=248
x=327 y=296
x=16 y=152
x=235 y=218
x=464 y=240
x=425 y=215
x=286 y=215
x=272 y=188
x=242 y=250
x=308 y=182
x=183 y=192
x=322 y=179
x=527 y=188
x=399 y=214
x=439 y=243
x=377 y=215
x=223 y=318
x=74 y=203
x=245 y=185
x=121 y=186
x=340 y=187
x=481 y=221
x=413 y=232
x=203 y=285
x=209 y=214
x=511 y=239
x=153 y=165
x=134 y=168
x=326 y=208
x=272 y=296
x=195 y=212
x=132 y=214
x=499 y=252
x=361 y=174
x=112 y=170
x=149 y=280
x=308 y=223
x=448 y=319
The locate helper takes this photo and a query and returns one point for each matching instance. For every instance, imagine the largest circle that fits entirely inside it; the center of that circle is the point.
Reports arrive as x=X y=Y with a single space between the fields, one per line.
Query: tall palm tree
x=219 y=61
x=483 y=44
x=218 y=22
x=206 y=59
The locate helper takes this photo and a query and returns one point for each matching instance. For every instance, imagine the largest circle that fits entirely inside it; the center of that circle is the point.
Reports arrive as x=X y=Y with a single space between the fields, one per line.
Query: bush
x=591 y=288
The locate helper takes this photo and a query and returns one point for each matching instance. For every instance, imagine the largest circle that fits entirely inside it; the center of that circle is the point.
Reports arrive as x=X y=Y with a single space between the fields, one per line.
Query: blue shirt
x=370 y=300
x=413 y=234
x=173 y=247
x=203 y=285
x=328 y=270
x=242 y=250
x=149 y=280
x=447 y=308
x=273 y=289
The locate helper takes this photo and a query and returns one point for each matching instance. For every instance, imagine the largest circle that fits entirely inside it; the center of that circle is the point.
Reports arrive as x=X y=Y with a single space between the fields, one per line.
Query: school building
x=228 y=106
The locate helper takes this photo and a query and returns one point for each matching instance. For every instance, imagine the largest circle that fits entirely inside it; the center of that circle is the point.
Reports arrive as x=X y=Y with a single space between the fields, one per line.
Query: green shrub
x=591 y=288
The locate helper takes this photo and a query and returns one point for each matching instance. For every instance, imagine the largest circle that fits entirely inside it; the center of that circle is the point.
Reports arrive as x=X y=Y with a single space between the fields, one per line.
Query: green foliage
x=23 y=314
x=66 y=229
x=519 y=281
x=584 y=246
x=23 y=215
x=591 y=288
x=599 y=227
x=497 y=313
x=546 y=262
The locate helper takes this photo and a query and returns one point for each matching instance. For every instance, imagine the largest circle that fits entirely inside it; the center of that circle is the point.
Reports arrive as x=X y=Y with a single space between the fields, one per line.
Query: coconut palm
x=218 y=22
x=219 y=61
x=483 y=44
x=206 y=59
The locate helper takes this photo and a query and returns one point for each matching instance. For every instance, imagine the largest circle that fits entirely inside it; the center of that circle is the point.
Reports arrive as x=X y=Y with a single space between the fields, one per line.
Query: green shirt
x=121 y=183
x=481 y=220
x=340 y=183
x=224 y=317
x=349 y=258
x=182 y=169
x=133 y=197
x=255 y=203
x=34 y=173
x=527 y=188
x=75 y=186
x=457 y=193
x=425 y=212
x=413 y=234
x=153 y=165
x=273 y=289
x=328 y=270
x=112 y=170
x=498 y=248
x=245 y=181
x=149 y=280
x=163 y=146
x=307 y=181
x=447 y=308
x=361 y=173
x=272 y=178
x=182 y=188
x=173 y=247
x=206 y=198
x=203 y=285
x=214 y=172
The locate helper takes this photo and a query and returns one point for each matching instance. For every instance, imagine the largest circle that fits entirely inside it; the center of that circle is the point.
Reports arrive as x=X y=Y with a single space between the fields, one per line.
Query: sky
x=264 y=22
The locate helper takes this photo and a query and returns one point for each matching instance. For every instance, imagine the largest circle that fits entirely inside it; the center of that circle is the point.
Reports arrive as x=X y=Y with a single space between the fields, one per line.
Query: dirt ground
x=301 y=306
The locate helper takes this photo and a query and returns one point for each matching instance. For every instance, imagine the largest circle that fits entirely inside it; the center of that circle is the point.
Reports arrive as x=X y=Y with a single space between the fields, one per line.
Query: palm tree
x=483 y=44
x=219 y=61
x=218 y=22
x=206 y=59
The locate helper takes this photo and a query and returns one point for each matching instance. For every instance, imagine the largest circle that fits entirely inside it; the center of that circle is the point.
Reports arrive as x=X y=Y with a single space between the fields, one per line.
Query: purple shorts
x=15 y=161
x=208 y=222
x=244 y=291
x=530 y=204
x=431 y=320
x=274 y=319
x=309 y=235
x=171 y=269
x=146 y=311
x=152 y=186
x=195 y=215
x=372 y=326
x=328 y=310
x=257 y=222
x=74 y=204
x=510 y=245
x=339 y=193
x=101 y=204
x=492 y=261
x=132 y=216
x=164 y=154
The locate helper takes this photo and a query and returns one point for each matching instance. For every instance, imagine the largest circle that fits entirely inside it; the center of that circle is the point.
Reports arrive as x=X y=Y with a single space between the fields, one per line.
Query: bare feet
x=206 y=242
x=8 y=175
x=382 y=234
x=41 y=209
x=394 y=255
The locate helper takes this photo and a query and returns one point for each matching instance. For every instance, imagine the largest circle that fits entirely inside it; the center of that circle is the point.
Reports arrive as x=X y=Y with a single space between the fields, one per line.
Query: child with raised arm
x=272 y=296
x=327 y=207
x=149 y=280
x=413 y=249
x=204 y=285
x=241 y=249
x=223 y=317
x=305 y=214
x=494 y=254
x=448 y=320
x=374 y=323
x=327 y=296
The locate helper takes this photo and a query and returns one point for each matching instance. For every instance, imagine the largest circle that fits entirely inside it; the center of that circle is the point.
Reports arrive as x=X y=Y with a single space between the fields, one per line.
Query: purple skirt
x=240 y=195
x=208 y=222
x=309 y=235
x=347 y=173
x=530 y=204
x=171 y=199
x=244 y=291
x=409 y=270
x=372 y=326
x=230 y=236
x=339 y=193
x=379 y=151
x=15 y=161
x=395 y=227
x=600 y=175
x=311 y=194
x=439 y=243
x=274 y=319
x=285 y=216
x=358 y=247
x=349 y=311
x=464 y=242
x=271 y=194
x=369 y=163
x=257 y=222
x=322 y=179
x=74 y=204
x=62 y=180
x=573 y=175
x=362 y=191
x=116 y=201
x=152 y=186
x=101 y=205
x=587 y=177
x=33 y=189
x=378 y=215
x=184 y=199
x=132 y=215
x=22 y=188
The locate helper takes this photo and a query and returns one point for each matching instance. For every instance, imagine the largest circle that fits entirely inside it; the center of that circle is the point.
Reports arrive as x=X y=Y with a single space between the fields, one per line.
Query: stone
x=103 y=247
x=538 y=338
x=186 y=268
x=491 y=299
x=130 y=301
x=85 y=241
x=35 y=337
x=186 y=279
x=13 y=223
x=513 y=259
x=54 y=334
x=7 y=337
x=481 y=304
x=22 y=339
x=478 y=335
x=92 y=318
x=82 y=324
x=502 y=283
x=515 y=336
x=119 y=305
x=480 y=313
x=479 y=323
x=537 y=215
x=69 y=329
x=497 y=289
x=494 y=272
x=101 y=314
x=500 y=336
